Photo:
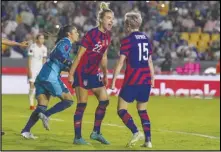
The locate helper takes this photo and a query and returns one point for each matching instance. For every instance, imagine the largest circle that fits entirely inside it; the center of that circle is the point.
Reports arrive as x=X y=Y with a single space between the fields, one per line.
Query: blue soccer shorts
x=50 y=88
x=87 y=81
x=140 y=93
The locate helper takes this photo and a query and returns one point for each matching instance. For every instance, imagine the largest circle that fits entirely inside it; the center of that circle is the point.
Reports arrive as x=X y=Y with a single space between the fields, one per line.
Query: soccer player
x=13 y=43
x=139 y=76
x=84 y=73
x=37 y=54
x=48 y=81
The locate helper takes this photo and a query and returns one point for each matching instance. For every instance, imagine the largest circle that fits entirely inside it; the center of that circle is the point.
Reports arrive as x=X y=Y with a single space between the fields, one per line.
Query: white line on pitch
x=189 y=133
x=120 y=126
x=55 y=119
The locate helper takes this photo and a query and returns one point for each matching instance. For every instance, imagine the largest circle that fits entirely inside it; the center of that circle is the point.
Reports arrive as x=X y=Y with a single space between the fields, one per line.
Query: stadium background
x=184 y=31
x=185 y=37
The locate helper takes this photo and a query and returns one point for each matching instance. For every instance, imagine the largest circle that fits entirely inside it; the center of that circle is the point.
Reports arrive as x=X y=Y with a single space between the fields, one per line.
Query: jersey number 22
x=143 y=51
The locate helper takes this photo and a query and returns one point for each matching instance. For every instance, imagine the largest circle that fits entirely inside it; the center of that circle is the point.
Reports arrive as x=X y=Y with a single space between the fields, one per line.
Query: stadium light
x=55 y=2
x=57 y=26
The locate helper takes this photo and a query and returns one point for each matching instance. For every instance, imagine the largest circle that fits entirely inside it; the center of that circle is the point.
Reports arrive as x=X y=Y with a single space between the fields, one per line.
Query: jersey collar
x=68 y=39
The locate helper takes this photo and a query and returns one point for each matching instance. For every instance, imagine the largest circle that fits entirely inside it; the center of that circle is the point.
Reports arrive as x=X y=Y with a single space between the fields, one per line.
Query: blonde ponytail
x=104 y=6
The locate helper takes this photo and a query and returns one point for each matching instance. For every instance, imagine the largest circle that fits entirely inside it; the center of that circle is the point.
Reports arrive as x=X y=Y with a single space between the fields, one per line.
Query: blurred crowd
x=163 y=22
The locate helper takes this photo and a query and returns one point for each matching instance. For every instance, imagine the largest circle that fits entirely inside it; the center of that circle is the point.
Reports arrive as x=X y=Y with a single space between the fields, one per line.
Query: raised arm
x=13 y=43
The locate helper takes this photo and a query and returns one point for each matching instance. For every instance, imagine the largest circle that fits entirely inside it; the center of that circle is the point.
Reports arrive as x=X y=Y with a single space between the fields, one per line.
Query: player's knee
x=121 y=112
x=80 y=109
x=65 y=96
x=40 y=108
x=70 y=102
x=104 y=103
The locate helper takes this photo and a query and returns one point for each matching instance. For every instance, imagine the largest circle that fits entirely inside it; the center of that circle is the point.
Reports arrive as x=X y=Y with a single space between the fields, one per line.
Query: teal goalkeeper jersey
x=58 y=60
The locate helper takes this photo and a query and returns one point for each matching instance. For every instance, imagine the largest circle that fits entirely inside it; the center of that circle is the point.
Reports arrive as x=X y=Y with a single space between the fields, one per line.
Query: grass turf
x=176 y=123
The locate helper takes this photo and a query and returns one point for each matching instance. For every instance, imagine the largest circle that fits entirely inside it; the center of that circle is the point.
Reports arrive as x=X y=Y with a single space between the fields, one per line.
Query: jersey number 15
x=143 y=51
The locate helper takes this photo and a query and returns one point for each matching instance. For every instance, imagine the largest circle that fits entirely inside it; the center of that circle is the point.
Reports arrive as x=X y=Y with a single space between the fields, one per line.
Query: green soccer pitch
x=176 y=124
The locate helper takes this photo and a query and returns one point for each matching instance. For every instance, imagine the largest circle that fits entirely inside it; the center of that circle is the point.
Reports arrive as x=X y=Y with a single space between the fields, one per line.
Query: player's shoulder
x=125 y=39
x=44 y=46
x=65 y=41
x=94 y=29
x=33 y=45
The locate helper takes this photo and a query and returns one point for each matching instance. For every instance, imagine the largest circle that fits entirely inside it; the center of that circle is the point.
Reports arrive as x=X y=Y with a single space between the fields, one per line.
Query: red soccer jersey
x=96 y=43
x=137 y=49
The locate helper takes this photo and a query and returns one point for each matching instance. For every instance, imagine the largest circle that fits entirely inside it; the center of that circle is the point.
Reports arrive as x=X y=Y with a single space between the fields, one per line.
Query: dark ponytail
x=63 y=32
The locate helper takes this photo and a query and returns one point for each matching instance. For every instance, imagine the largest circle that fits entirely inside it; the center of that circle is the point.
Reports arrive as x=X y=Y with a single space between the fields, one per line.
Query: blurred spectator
x=79 y=19
x=183 y=11
x=87 y=26
x=210 y=25
x=27 y=17
x=10 y=26
x=166 y=24
x=166 y=65
x=163 y=21
x=215 y=49
x=186 y=51
x=217 y=26
x=35 y=29
x=188 y=24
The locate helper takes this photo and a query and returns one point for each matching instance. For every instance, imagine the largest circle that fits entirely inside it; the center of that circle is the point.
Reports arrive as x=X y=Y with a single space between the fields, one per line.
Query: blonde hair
x=104 y=7
x=133 y=19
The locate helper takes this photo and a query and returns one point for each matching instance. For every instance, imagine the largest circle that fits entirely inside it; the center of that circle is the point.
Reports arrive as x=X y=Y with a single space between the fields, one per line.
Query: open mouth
x=110 y=25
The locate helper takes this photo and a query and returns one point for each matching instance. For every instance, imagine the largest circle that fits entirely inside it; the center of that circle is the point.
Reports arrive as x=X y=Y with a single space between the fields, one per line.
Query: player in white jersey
x=37 y=54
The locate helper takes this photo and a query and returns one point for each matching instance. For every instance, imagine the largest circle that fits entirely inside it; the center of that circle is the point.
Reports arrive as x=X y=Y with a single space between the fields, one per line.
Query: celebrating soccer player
x=84 y=73
x=139 y=76
x=37 y=54
x=48 y=81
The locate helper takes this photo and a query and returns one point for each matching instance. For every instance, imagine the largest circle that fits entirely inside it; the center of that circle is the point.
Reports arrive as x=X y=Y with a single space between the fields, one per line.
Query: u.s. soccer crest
x=66 y=47
x=104 y=42
x=85 y=82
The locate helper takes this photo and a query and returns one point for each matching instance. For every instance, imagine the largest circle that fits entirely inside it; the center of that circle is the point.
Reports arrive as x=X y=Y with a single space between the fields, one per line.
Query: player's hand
x=105 y=80
x=24 y=44
x=66 y=69
x=70 y=79
x=112 y=85
x=29 y=75
x=152 y=82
